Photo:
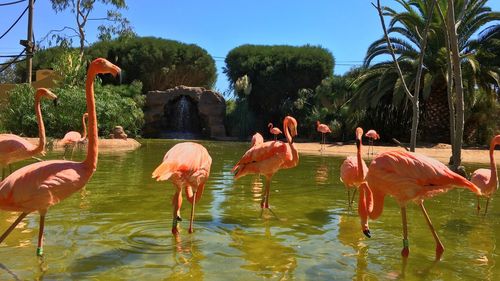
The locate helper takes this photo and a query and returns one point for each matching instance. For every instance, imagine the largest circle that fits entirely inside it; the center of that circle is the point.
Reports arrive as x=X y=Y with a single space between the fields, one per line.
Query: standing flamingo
x=407 y=177
x=323 y=129
x=187 y=165
x=14 y=148
x=269 y=157
x=353 y=170
x=73 y=138
x=38 y=186
x=487 y=179
x=371 y=135
x=257 y=139
x=274 y=130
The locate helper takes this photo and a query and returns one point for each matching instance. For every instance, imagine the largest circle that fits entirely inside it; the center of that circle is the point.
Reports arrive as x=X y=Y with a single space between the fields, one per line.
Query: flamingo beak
x=367 y=233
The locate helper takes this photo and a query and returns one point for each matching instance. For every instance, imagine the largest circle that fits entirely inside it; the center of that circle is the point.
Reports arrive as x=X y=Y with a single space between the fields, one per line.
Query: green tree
x=277 y=74
x=159 y=63
x=380 y=82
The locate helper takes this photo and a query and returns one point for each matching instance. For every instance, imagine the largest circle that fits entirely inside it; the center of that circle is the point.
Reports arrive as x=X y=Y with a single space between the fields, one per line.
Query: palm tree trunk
x=457 y=74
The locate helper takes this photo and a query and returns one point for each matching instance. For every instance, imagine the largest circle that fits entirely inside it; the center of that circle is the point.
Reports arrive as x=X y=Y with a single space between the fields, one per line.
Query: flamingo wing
x=410 y=176
x=71 y=137
x=481 y=178
x=265 y=158
x=349 y=171
x=41 y=185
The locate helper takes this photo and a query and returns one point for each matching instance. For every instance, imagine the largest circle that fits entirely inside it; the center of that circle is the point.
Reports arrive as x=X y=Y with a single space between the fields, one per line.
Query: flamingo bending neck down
x=407 y=177
x=274 y=130
x=487 y=179
x=13 y=148
x=268 y=158
x=371 y=135
x=73 y=138
x=187 y=165
x=323 y=129
x=38 y=186
x=353 y=170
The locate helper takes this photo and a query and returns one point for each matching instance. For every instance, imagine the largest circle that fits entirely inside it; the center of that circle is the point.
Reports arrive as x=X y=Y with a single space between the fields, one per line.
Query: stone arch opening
x=181 y=118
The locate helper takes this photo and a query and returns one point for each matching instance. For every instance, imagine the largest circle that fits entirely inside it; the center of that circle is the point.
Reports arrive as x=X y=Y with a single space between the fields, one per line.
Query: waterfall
x=183 y=115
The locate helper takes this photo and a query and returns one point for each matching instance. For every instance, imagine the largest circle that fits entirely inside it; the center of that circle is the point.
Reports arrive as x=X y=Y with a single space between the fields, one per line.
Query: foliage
x=159 y=63
x=239 y=119
x=115 y=105
x=380 y=82
x=277 y=73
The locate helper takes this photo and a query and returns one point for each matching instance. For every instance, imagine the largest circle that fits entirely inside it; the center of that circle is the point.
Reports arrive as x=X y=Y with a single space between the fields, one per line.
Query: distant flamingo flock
x=402 y=175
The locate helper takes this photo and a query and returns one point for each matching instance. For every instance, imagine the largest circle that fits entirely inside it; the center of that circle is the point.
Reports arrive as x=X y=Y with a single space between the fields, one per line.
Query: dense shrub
x=115 y=105
x=159 y=63
x=276 y=74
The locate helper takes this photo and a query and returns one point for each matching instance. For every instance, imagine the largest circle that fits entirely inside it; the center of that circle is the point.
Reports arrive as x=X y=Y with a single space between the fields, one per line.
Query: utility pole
x=28 y=44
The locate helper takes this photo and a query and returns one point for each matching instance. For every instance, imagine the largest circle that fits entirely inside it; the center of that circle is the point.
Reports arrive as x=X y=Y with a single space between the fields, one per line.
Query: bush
x=276 y=74
x=115 y=105
x=159 y=63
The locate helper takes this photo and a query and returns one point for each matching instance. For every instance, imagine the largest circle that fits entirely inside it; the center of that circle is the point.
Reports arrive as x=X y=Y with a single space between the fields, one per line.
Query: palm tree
x=380 y=82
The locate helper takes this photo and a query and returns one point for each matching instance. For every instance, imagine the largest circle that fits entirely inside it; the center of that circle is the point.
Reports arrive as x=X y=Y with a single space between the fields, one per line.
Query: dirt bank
x=442 y=152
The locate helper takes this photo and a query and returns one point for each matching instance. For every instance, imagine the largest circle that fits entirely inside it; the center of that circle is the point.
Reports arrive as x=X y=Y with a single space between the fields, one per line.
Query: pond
x=118 y=228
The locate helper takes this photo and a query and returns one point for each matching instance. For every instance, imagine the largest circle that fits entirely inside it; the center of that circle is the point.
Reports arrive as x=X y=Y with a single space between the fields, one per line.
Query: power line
x=12 y=26
x=11 y=3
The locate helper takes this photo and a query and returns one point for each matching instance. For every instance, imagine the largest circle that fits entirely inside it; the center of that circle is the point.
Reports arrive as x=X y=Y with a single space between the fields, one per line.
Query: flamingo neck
x=295 y=152
x=363 y=206
x=493 y=165
x=92 y=150
x=41 y=126
x=84 y=134
x=360 y=159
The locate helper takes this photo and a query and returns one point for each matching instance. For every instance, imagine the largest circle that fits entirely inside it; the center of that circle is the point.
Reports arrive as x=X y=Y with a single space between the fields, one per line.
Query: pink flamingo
x=487 y=179
x=270 y=157
x=353 y=170
x=274 y=130
x=257 y=139
x=13 y=148
x=73 y=138
x=187 y=165
x=371 y=135
x=323 y=129
x=407 y=177
x=38 y=186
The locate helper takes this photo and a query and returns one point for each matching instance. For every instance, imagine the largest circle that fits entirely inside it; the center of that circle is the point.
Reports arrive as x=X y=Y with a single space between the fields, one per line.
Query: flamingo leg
x=39 y=249
x=275 y=137
x=352 y=199
x=176 y=203
x=478 y=205
x=486 y=208
x=439 y=245
x=349 y=198
x=73 y=151
x=65 y=151
x=192 y=213
x=406 y=251
x=13 y=225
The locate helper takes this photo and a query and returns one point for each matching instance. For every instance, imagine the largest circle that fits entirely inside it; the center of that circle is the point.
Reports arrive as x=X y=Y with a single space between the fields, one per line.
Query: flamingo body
x=13 y=148
x=186 y=165
x=274 y=130
x=487 y=179
x=406 y=177
x=269 y=157
x=323 y=129
x=353 y=170
x=372 y=134
x=38 y=186
x=71 y=137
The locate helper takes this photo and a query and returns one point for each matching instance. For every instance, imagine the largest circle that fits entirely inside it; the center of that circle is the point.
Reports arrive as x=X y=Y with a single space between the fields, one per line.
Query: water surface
x=118 y=228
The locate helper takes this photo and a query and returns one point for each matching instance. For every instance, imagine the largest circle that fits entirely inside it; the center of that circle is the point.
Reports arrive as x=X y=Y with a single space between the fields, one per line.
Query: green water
x=118 y=228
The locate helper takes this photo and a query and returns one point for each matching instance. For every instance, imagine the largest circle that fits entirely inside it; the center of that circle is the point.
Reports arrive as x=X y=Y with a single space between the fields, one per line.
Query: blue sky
x=346 y=28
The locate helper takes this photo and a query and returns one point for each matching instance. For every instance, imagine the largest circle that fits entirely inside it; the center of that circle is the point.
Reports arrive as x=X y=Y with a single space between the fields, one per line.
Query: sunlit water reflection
x=118 y=228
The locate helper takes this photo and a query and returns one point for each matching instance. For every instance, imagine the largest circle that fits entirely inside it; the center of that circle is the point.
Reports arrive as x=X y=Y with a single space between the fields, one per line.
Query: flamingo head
x=495 y=141
x=86 y=115
x=317 y=123
x=46 y=93
x=359 y=136
x=270 y=125
x=103 y=66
